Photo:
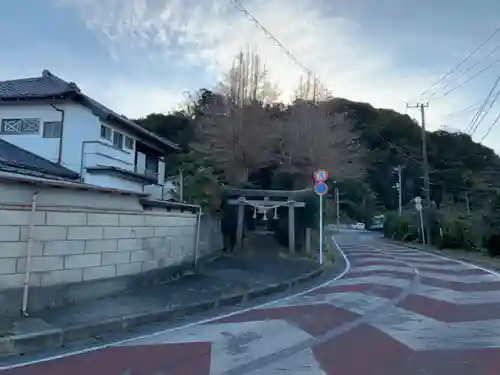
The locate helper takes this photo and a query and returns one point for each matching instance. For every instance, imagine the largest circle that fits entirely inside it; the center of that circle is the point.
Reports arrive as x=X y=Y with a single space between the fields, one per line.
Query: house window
x=129 y=143
x=151 y=166
x=52 y=129
x=118 y=140
x=105 y=132
x=20 y=126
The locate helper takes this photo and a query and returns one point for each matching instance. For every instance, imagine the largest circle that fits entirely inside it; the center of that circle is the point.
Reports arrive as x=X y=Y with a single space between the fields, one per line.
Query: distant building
x=65 y=130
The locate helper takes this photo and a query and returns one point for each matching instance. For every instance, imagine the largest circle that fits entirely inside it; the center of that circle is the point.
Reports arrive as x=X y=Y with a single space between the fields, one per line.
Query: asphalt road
x=396 y=311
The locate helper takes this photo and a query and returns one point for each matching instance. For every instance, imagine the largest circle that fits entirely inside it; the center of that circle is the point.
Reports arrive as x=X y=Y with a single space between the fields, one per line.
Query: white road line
x=375 y=280
x=419 y=331
x=459 y=261
x=236 y=344
x=428 y=274
x=302 y=363
x=162 y=332
x=440 y=276
x=419 y=265
x=459 y=297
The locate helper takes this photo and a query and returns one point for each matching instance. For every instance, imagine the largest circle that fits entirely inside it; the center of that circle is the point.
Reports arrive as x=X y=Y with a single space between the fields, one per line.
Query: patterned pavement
x=395 y=312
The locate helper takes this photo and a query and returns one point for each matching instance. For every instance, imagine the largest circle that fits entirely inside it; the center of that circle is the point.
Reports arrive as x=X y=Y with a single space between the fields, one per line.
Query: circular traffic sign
x=320 y=175
x=320 y=188
x=417 y=200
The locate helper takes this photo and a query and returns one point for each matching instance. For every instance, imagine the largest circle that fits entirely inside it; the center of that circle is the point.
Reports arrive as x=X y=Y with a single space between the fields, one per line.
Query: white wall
x=112 y=182
x=45 y=147
x=80 y=126
x=126 y=156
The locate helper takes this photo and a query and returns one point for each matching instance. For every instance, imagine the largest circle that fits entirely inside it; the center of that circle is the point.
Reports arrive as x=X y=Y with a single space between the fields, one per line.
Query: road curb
x=27 y=343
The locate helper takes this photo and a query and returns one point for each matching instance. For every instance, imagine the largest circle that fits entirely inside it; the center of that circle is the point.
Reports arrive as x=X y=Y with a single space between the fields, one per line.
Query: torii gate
x=265 y=204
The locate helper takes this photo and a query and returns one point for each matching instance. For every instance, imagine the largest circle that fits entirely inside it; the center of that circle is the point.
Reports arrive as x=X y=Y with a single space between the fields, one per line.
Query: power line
x=472 y=126
x=470 y=108
x=485 y=113
x=250 y=16
x=470 y=79
x=451 y=71
x=490 y=128
x=464 y=73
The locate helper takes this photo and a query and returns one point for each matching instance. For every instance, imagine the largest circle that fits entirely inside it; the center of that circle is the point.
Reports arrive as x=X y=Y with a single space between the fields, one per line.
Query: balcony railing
x=98 y=154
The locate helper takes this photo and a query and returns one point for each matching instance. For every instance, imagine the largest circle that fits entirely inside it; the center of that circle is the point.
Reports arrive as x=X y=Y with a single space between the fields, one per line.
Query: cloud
x=134 y=99
x=208 y=34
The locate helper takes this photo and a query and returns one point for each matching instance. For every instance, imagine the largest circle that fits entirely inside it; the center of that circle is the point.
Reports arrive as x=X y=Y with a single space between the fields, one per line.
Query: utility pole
x=181 y=184
x=337 y=203
x=467 y=201
x=399 y=170
x=427 y=190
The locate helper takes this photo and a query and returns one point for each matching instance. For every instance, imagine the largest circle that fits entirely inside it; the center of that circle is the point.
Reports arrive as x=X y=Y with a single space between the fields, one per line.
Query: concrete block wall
x=78 y=246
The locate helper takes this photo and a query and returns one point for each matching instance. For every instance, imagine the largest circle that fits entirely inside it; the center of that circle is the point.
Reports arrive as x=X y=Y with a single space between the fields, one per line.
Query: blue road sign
x=321 y=175
x=320 y=188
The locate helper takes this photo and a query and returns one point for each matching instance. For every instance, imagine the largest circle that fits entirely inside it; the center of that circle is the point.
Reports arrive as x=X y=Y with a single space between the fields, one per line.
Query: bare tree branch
x=312 y=137
x=234 y=130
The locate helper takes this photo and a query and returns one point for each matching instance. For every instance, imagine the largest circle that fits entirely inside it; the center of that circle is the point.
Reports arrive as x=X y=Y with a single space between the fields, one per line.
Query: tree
x=311 y=136
x=237 y=140
x=311 y=89
x=234 y=130
x=175 y=127
x=247 y=81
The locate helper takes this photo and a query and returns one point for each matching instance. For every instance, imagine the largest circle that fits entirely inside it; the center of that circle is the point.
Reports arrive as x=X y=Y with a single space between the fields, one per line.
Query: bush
x=491 y=222
x=460 y=231
x=400 y=228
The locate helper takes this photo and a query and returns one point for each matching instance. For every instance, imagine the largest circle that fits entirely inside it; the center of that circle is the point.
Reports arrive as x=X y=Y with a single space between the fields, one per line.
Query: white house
x=55 y=120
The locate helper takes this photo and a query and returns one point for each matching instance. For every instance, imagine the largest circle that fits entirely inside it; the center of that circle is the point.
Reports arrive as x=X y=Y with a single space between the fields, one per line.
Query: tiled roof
x=17 y=160
x=46 y=86
x=50 y=86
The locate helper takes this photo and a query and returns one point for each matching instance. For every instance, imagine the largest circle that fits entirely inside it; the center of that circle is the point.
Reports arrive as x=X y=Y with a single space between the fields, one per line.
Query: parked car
x=359 y=226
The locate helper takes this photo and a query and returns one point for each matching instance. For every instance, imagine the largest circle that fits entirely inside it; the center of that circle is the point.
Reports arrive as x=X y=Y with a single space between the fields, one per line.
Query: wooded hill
x=458 y=165
x=238 y=134
x=387 y=139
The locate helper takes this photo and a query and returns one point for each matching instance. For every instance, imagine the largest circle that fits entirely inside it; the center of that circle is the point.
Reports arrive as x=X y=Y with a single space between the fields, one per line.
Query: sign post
x=418 y=206
x=320 y=188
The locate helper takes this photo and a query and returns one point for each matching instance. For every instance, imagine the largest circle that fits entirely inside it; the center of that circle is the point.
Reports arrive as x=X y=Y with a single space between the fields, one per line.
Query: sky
x=143 y=56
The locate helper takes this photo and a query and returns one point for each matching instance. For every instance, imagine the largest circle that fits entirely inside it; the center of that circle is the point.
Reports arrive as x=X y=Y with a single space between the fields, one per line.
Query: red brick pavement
x=463 y=272
x=164 y=359
x=314 y=319
x=450 y=312
x=395 y=274
x=365 y=350
x=460 y=286
x=384 y=291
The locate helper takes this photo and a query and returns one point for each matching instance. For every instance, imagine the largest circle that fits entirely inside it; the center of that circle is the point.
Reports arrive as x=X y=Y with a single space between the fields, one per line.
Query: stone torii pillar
x=241 y=201
x=291 y=226
x=239 y=227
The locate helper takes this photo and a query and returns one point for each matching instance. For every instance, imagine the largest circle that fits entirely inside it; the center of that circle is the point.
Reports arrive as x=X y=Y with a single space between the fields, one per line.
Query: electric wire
x=490 y=128
x=289 y=54
x=464 y=73
x=471 y=129
x=463 y=61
